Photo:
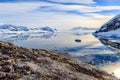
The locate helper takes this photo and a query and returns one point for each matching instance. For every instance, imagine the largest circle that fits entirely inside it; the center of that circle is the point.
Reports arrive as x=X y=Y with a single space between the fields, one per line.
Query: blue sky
x=58 y=13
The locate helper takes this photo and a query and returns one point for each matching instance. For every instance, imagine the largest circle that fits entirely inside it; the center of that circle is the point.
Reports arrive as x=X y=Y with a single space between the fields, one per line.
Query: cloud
x=55 y=1
x=78 y=8
x=23 y=7
x=52 y=14
x=15 y=8
x=74 y=1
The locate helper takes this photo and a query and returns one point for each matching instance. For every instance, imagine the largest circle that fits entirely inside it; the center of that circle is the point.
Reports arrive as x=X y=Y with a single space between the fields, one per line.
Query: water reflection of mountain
x=23 y=37
x=80 y=34
x=113 y=45
x=99 y=59
x=102 y=59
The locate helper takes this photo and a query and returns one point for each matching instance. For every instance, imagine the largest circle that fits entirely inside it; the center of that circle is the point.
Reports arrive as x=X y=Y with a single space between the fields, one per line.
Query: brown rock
x=17 y=63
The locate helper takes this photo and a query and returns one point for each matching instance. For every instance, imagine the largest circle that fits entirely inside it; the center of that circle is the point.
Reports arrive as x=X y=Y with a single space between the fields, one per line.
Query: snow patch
x=111 y=29
x=13 y=29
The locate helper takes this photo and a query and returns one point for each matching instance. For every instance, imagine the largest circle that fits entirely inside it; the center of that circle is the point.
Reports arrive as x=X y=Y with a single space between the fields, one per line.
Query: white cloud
x=75 y=1
x=82 y=8
x=31 y=14
x=99 y=16
x=15 y=8
x=56 y=20
x=22 y=7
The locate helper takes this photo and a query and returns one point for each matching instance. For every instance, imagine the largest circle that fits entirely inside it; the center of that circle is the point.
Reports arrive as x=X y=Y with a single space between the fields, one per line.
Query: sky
x=60 y=14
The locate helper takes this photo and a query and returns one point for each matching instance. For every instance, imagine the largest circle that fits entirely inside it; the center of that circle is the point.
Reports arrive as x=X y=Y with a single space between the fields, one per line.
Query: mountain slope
x=110 y=29
x=17 y=63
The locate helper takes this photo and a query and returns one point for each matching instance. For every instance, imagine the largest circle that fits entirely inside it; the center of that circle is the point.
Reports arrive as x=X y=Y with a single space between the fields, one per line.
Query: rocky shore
x=17 y=63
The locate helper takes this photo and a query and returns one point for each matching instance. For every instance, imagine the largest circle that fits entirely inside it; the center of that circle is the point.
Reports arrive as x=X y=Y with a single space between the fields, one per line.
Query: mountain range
x=8 y=28
x=83 y=28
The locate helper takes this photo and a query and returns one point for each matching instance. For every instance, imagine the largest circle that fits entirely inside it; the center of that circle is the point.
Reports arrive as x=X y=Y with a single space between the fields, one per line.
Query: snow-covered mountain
x=13 y=27
x=8 y=28
x=46 y=28
x=111 y=29
x=83 y=28
x=78 y=31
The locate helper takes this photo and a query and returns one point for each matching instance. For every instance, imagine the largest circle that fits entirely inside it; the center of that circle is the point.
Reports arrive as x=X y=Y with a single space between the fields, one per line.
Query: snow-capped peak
x=8 y=28
x=13 y=27
x=111 y=20
x=110 y=29
x=46 y=28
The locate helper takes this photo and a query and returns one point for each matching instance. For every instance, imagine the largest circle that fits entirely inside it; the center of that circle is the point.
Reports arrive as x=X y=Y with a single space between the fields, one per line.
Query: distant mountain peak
x=83 y=28
x=47 y=28
x=9 y=28
x=13 y=27
x=110 y=29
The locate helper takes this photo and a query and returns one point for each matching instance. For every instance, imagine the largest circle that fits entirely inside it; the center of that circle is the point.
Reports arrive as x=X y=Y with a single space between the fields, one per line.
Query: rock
x=17 y=63
x=111 y=29
x=2 y=75
x=77 y=40
x=5 y=57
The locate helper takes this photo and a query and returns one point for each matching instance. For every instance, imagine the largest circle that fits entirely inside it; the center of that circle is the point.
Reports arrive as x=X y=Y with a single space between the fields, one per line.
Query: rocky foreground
x=17 y=63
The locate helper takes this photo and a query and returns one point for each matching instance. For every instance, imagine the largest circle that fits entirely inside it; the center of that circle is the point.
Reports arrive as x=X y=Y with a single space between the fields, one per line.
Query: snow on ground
x=111 y=29
x=110 y=34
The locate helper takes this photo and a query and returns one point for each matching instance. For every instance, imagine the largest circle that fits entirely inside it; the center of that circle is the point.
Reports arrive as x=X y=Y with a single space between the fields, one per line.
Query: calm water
x=102 y=53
